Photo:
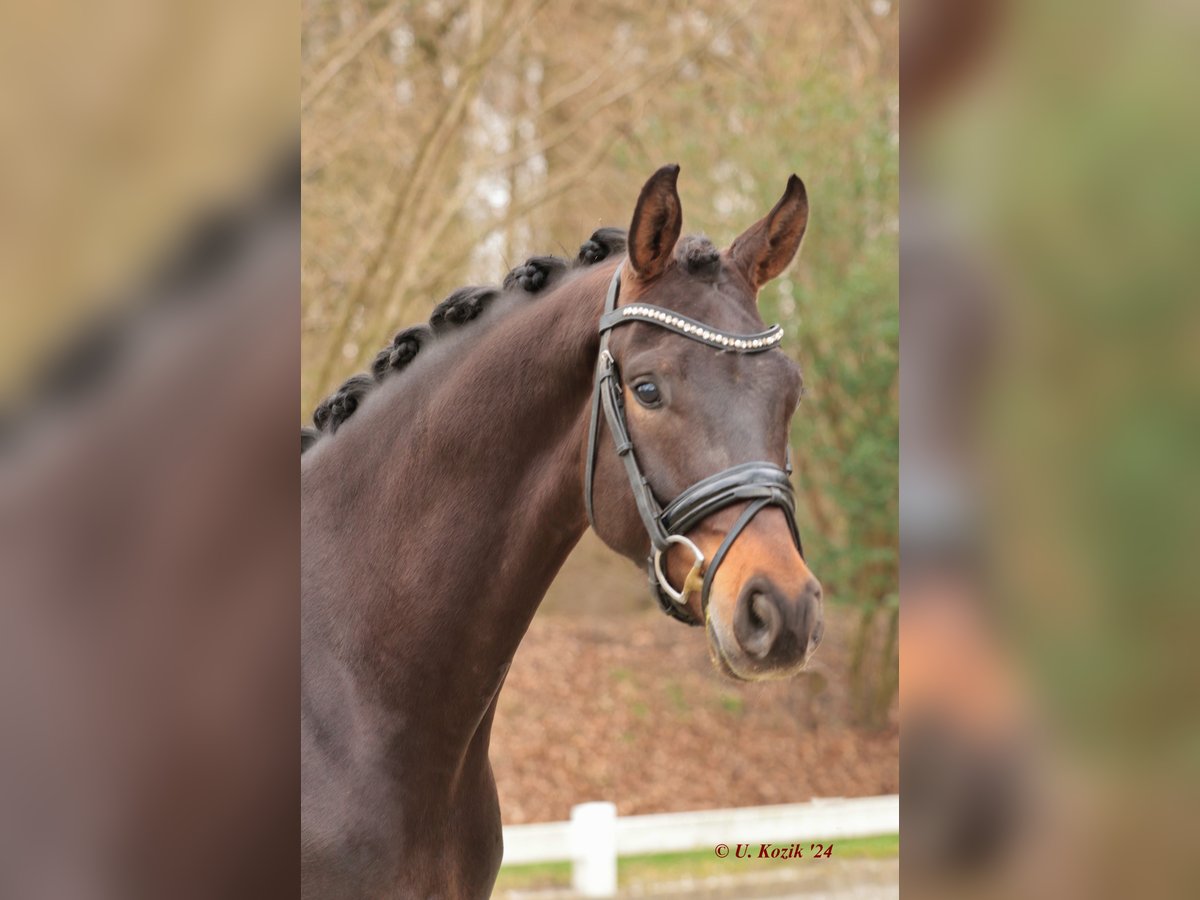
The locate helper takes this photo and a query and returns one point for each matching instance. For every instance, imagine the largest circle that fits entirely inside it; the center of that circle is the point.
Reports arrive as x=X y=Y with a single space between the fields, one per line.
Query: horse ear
x=767 y=247
x=657 y=221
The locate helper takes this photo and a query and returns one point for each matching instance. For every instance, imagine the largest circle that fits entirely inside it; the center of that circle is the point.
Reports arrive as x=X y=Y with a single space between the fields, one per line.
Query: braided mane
x=463 y=305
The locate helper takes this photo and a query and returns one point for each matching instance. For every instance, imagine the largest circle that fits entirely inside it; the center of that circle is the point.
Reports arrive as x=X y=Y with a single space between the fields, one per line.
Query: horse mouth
x=717 y=654
x=722 y=664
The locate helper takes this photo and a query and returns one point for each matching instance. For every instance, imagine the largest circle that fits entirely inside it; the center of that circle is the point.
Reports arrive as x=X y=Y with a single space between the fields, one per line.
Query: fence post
x=594 y=849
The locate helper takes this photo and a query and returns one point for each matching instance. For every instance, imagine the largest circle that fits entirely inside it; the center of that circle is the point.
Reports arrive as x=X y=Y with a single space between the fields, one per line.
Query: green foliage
x=732 y=703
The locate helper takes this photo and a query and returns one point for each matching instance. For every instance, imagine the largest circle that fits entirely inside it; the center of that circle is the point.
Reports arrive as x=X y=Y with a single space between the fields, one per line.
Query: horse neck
x=464 y=510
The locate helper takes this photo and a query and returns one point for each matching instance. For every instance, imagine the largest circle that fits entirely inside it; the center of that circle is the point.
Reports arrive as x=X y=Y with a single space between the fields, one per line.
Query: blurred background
x=445 y=142
x=1049 y=439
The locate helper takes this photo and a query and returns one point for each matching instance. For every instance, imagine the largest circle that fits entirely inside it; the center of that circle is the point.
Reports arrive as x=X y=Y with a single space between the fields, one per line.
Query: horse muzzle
x=766 y=614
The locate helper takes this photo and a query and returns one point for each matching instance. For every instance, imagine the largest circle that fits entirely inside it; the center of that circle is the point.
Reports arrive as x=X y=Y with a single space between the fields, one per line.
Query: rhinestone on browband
x=689 y=327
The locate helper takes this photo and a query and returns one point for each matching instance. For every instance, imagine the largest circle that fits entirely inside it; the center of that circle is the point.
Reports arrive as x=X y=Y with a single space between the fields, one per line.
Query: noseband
x=763 y=484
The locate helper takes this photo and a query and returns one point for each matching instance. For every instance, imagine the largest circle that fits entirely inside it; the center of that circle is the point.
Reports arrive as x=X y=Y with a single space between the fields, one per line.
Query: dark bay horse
x=439 y=502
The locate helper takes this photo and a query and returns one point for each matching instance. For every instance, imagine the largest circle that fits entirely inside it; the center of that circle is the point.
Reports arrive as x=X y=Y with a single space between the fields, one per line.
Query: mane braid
x=308 y=437
x=461 y=307
x=534 y=276
x=403 y=348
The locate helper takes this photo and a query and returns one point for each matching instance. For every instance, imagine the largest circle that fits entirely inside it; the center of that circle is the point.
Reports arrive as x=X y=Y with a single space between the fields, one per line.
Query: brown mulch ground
x=627 y=707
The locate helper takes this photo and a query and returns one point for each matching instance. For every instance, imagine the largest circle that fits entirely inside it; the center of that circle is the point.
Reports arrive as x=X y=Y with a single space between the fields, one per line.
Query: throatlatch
x=762 y=483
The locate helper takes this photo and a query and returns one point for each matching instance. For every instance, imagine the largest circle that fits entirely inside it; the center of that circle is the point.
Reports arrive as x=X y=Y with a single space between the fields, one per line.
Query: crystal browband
x=697 y=331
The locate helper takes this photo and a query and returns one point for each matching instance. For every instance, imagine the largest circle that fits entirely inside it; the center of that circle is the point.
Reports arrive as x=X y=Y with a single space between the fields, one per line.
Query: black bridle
x=762 y=483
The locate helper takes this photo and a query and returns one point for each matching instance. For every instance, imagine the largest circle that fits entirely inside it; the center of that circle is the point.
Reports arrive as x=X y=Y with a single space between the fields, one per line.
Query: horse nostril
x=758 y=623
x=758 y=612
x=812 y=627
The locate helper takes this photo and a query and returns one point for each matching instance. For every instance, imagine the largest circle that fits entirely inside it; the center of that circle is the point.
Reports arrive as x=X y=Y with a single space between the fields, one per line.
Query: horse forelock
x=698 y=256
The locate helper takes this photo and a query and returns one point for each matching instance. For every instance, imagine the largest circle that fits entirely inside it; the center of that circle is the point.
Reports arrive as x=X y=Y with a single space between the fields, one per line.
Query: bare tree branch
x=413 y=184
x=344 y=56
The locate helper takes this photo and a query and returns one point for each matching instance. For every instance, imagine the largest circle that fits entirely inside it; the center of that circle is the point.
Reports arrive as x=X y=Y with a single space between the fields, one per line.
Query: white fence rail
x=595 y=836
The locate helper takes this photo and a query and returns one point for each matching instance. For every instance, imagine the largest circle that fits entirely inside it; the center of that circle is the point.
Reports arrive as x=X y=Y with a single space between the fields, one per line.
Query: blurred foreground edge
x=149 y=626
x=963 y=767
x=1049 y=438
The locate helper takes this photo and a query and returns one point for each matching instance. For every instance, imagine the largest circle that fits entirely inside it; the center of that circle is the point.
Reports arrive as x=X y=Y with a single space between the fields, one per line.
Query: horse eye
x=647 y=393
